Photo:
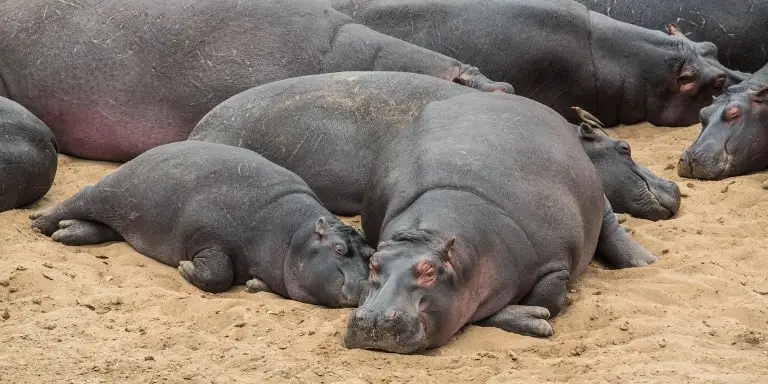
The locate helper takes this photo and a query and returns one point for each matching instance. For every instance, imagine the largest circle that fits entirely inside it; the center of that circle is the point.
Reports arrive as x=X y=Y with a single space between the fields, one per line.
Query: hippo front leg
x=521 y=319
x=615 y=248
x=356 y=47
x=210 y=270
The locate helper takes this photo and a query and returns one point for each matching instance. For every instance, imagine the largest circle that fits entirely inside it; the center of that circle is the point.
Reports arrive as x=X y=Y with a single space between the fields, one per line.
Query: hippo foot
x=44 y=221
x=471 y=77
x=521 y=319
x=255 y=285
x=79 y=232
x=210 y=270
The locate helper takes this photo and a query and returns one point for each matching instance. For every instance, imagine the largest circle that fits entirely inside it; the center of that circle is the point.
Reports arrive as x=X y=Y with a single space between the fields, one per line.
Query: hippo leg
x=80 y=206
x=549 y=292
x=521 y=319
x=79 y=232
x=255 y=285
x=616 y=248
x=210 y=270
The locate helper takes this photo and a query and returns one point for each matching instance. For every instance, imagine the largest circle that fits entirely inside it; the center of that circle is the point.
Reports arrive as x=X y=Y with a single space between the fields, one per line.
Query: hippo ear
x=448 y=250
x=761 y=96
x=321 y=226
x=674 y=30
x=586 y=132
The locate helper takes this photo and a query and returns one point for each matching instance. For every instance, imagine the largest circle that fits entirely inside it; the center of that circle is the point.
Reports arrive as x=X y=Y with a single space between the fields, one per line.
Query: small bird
x=588 y=118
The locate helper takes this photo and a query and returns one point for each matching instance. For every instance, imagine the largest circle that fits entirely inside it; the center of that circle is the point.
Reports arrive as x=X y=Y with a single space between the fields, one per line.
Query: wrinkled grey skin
x=224 y=216
x=477 y=228
x=114 y=78
x=562 y=55
x=352 y=116
x=630 y=187
x=737 y=27
x=734 y=133
x=27 y=156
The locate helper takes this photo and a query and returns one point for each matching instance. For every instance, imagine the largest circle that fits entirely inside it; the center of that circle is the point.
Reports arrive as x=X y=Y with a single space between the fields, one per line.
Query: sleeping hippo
x=734 y=133
x=561 y=54
x=331 y=128
x=113 y=78
x=27 y=156
x=737 y=27
x=473 y=227
x=223 y=215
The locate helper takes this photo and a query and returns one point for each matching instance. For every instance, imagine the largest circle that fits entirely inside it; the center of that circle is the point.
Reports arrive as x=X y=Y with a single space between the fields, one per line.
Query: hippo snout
x=702 y=165
x=668 y=195
x=390 y=330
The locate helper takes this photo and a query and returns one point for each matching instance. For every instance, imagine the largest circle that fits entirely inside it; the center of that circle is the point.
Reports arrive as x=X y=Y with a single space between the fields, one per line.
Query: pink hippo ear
x=448 y=250
x=674 y=30
x=761 y=96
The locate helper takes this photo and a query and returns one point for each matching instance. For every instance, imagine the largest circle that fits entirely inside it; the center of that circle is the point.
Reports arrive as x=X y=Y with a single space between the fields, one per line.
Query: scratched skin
x=114 y=78
x=737 y=27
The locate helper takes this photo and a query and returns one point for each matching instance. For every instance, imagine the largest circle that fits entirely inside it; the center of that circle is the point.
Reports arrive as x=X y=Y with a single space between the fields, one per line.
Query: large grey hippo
x=473 y=227
x=561 y=54
x=27 y=156
x=113 y=78
x=734 y=133
x=737 y=27
x=330 y=129
x=223 y=215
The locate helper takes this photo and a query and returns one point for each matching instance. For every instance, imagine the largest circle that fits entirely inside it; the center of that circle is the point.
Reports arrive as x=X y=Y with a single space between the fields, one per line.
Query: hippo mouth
x=361 y=334
x=659 y=208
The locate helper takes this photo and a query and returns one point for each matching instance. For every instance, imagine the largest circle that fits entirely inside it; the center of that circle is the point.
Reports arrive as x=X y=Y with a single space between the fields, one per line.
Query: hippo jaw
x=412 y=290
x=732 y=139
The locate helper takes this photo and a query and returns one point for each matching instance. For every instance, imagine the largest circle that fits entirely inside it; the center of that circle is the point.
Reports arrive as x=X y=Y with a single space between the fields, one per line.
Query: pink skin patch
x=688 y=87
x=732 y=113
x=425 y=274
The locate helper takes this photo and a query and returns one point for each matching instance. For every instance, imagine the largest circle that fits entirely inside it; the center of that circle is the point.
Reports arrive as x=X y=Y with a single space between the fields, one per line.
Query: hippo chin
x=233 y=218
x=480 y=219
x=733 y=135
x=630 y=187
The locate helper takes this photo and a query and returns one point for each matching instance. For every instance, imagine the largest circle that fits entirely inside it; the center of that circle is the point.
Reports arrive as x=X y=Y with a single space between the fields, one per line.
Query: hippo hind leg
x=80 y=232
x=210 y=270
x=76 y=207
x=615 y=248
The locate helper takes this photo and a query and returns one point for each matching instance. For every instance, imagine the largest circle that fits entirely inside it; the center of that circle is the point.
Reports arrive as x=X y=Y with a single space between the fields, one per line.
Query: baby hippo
x=224 y=216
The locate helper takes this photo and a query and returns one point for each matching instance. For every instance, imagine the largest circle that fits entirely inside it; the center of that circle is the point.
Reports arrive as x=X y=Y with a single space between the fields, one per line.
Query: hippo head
x=687 y=81
x=733 y=137
x=412 y=294
x=327 y=265
x=631 y=188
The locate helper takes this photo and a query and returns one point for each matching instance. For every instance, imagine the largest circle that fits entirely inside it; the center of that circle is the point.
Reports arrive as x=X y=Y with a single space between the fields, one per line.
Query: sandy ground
x=106 y=314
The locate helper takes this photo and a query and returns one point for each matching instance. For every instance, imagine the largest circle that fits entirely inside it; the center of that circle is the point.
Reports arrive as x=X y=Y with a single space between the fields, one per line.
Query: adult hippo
x=117 y=77
x=27 y=156
x=737 y=27
x=298 y=123
x=224 y=216
x=477 y=228
x=734 y=133
x=561 y=54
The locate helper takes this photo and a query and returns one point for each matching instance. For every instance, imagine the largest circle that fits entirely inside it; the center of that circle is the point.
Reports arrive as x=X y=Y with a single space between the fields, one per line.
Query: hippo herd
x=447 y=125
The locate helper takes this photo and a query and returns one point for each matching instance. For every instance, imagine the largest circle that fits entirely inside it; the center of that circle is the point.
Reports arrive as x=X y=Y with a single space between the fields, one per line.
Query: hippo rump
x=27 y=156
x=235 y=218
x=329 y=129
x=473 y=227
x=737 y=27
x=561 y=54
x=734 y=133
x=117 y=77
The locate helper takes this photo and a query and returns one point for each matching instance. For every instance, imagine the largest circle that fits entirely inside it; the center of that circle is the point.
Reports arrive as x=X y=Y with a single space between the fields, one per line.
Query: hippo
x=737 y=27
x=223 y=215
x=733 y=135
x=298 y=122
x=473 y=227
x=28 y=160
x=561 y=54
x=147 y=71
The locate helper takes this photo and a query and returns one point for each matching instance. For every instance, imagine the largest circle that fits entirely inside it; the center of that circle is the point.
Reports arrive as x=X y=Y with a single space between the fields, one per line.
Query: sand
x=106 y=314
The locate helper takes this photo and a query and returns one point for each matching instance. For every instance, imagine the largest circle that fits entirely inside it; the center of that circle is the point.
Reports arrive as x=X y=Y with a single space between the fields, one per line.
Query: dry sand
x=106 y=314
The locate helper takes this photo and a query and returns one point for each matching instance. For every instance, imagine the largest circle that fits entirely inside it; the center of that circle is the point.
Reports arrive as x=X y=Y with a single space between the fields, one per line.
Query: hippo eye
x=624 y=149
x=340 y=249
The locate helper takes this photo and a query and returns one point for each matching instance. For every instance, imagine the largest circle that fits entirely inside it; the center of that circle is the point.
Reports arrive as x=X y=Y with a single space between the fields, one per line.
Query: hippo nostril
x=731 y=113
x=392 y=315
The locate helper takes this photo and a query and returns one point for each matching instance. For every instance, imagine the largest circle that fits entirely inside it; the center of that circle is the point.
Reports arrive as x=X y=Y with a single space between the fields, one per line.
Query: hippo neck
x=621 y=91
